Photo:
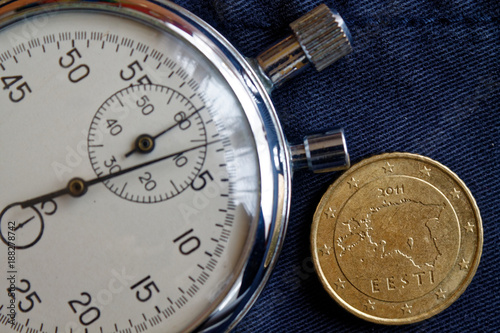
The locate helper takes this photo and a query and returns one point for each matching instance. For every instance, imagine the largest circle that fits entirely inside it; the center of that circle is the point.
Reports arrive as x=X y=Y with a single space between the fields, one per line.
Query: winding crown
x=323 y=36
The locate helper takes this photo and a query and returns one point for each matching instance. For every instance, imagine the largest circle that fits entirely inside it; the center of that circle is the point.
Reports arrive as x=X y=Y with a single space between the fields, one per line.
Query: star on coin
x=339 y=284
x=406 y=309
x=441 y=293
x=325 y=250
x=469 y=227
x=464 y=264
x=386 y=224
x=330 y=213
x=370 y=305
x=388 y=167
x=426 y=171
x=353 y=183
x=455 y=193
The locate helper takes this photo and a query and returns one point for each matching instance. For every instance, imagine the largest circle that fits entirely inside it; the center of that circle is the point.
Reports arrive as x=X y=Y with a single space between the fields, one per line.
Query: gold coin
x=397 y=238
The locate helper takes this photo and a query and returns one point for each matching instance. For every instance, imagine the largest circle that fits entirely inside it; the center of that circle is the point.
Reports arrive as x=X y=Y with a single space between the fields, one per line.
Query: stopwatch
x=145 y=177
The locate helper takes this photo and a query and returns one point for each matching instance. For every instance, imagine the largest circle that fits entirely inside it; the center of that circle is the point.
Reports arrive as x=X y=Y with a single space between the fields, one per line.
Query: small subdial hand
x=23 y=223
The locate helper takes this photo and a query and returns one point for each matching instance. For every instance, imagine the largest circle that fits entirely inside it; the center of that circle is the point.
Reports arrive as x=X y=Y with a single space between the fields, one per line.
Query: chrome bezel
x=270 y=143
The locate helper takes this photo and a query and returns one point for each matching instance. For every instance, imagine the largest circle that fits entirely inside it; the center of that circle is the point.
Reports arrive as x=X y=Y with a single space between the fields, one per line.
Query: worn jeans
x=424 y=77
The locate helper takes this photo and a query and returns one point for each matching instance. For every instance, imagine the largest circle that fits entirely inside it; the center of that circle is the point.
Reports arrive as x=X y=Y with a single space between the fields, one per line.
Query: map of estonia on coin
x=387 y=239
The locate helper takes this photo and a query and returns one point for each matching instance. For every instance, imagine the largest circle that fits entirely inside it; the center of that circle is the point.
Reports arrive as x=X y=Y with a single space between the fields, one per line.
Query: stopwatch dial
x=157 y=120
x=126 y=115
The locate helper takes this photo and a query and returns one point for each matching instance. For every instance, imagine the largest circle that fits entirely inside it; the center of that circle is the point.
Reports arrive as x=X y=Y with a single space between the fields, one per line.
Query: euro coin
x=397 y=238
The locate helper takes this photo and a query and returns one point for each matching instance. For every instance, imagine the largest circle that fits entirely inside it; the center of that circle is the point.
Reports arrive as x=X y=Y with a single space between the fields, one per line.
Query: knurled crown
x=323 y=36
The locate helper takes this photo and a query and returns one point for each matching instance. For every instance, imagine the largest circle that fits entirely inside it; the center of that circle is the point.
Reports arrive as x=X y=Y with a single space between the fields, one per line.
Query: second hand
x=77 y=187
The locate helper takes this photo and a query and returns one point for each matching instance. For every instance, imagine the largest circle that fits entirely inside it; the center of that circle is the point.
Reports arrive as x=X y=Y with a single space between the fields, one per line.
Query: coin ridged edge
x=464 y=283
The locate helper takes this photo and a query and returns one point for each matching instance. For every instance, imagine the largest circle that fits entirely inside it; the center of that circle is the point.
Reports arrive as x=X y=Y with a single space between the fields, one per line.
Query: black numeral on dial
x=182 y=120
x=147 y=181
x=144 y=296
x=146 y=107
x=188 y=244
x=16 y=86
x=88 y=315
x=112 y=165
x=114 y=127
x=131 y=71
x=202 y=180
x=77 y=72
x=30 y=298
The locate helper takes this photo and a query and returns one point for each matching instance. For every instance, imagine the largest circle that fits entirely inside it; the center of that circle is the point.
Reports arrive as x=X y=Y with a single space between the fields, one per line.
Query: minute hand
x=84 y=184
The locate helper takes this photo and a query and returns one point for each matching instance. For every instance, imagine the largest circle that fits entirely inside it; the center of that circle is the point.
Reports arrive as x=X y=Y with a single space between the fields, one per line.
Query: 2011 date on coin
x=397 y=238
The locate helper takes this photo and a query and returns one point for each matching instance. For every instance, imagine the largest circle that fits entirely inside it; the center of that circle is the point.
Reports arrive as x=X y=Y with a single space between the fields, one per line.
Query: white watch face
x=165 y=153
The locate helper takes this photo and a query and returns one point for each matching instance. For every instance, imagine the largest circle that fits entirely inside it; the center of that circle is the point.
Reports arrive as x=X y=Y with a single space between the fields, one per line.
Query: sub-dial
x=20 y=227
x=141 y=123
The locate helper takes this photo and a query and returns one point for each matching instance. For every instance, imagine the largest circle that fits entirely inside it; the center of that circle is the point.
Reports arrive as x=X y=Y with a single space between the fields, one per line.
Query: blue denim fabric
x=424 y=78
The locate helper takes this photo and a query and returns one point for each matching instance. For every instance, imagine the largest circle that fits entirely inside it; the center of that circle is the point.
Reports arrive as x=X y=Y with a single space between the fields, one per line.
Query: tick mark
x=171 y=96
x=175 y=187
x=119 y=101
x=123 y=189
